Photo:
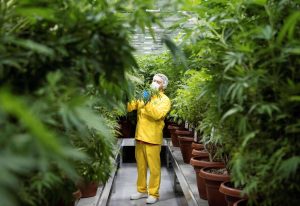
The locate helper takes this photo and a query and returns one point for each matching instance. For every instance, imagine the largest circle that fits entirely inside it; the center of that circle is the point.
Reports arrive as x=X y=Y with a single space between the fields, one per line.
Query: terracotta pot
x=198 y=163
x=125 y=128
x=232 y=194
x=200 y=153
x=213 y=182
x=77 y=194
x=186 y=133
x=242 y=202
x=197 y=146
x=180 y=132
x=186 y=148
x=88 y=189
x=172 y=129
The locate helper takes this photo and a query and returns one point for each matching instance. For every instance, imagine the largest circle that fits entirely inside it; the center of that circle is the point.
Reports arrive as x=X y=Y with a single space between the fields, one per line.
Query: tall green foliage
x=251 y=49
x=188 y=105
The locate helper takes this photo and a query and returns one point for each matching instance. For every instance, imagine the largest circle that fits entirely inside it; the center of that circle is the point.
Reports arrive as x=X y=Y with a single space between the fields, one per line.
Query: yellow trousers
x=148 y=156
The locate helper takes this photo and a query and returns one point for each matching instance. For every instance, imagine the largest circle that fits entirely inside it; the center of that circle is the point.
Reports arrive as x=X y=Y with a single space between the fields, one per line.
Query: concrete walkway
x=125 y=183
x=176 y=176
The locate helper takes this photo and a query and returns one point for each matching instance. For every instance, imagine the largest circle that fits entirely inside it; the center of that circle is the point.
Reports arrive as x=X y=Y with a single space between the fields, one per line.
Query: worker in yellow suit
x=149 y=136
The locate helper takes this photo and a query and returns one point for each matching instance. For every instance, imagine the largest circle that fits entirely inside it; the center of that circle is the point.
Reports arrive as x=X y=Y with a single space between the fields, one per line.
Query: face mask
x=155 y=86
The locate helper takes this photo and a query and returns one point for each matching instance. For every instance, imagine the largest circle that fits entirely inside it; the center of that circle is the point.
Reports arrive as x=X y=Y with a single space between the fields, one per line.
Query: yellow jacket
x=150 y=118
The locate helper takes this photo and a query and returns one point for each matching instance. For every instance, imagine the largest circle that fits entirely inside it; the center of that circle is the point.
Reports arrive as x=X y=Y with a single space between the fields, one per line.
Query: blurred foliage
x=63 y=82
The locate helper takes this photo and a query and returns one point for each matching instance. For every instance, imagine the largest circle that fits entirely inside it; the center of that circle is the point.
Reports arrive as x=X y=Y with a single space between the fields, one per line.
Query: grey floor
x=125 y=182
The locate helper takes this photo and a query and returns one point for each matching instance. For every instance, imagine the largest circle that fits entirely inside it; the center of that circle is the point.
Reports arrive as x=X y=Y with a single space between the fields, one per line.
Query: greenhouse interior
x=149 y=102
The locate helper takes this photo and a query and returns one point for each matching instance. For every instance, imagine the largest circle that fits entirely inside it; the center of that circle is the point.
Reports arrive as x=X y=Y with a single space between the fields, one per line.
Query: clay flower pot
x=77 y=195
x=172 y=129
x=197 y=146
x=186 y=148
x=183 y=132
x=213 y=182
x=242 y=202
x=198 y=163
x=88 y=189
x=232 y=194
x=199 y=153
x=125 y=128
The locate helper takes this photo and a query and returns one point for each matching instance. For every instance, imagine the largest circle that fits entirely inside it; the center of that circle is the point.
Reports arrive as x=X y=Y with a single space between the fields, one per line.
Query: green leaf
x=7 y=198
x=177 y=53
x=15 y=106
x=134 y=79
x=54 y=77
x=288 y=27
x=258 y=2
x=295 y=51
x=231 y=112
x=34 y=46
x=93 y=121
x=247 y=138
x=242 y=126
x=35 y=13
x=290 y=166
x=266 y=33
x=11 y=62
x=294 y=99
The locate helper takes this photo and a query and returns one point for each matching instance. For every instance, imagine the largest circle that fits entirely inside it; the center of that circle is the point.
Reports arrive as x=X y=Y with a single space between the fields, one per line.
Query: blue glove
x=146 y=95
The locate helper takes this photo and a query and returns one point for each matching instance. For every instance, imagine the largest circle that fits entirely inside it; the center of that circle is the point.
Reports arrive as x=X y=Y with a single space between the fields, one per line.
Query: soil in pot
x=213 y=178
x=232 y=194
x=198 y=163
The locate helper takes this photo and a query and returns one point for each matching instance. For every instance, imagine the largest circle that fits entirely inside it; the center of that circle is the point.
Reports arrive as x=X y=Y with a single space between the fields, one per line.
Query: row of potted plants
x=244 y=117
x=211 y=176
x=241 y=93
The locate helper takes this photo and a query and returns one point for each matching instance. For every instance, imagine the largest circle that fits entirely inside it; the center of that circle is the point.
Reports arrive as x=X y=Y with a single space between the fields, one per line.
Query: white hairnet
x=164 y=78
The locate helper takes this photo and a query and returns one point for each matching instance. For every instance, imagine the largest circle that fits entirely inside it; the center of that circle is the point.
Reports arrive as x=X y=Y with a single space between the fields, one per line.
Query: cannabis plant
x=252 y=53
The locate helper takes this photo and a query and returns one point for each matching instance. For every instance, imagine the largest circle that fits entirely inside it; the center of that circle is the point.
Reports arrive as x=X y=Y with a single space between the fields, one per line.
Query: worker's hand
x=146 y=96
